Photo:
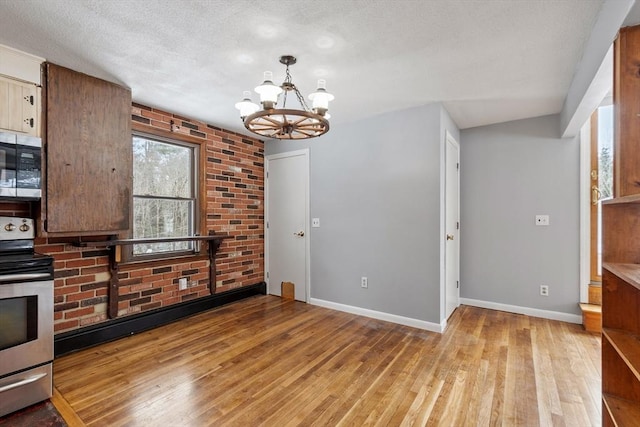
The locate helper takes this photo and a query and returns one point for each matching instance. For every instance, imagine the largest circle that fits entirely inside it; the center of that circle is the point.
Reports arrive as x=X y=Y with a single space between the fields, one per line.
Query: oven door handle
x=23 y=276
x=23 y=382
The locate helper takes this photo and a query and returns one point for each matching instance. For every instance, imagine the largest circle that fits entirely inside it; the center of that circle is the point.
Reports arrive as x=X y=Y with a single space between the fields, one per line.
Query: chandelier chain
x=288 y=82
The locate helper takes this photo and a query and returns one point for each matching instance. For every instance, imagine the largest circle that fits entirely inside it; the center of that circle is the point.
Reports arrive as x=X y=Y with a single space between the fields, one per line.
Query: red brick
x=86 y=262
x=66 y=290
x=140 y=273
x=80 y=296
x=63 y=326
x=77 y=280
x=71 y=314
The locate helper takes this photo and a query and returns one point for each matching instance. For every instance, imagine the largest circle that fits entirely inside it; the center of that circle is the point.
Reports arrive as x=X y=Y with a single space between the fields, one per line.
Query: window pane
x=162 y=218
x=605 y=169
x=605 y=152
x=161 y=169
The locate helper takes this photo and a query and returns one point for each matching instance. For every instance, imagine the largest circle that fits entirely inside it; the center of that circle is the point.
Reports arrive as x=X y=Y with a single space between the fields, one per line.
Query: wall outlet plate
x=315 y=222
x=544 y=290
x=542 y=219
x=364 y=282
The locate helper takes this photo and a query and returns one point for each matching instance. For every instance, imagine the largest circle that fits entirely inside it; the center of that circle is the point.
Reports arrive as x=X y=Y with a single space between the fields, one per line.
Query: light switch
x=315 y=222
x=542 y=219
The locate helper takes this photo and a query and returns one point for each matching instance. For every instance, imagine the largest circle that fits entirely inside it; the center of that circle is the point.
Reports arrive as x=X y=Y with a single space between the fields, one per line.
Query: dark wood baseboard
x=79 y=339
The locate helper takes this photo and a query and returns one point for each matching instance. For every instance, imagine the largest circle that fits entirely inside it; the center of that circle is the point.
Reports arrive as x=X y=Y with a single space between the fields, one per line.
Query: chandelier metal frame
x=287 y=123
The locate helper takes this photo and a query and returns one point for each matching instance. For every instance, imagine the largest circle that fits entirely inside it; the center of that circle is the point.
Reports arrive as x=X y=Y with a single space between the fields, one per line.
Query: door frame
x=448 y=137
x=585 y=211
x=307 y=242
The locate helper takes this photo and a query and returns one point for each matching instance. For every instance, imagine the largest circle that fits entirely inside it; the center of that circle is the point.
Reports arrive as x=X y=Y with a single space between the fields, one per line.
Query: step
x=595 y=294
x=591 y=317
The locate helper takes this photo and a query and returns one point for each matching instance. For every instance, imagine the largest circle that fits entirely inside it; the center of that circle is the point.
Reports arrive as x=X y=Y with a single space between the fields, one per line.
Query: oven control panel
x=15 y=228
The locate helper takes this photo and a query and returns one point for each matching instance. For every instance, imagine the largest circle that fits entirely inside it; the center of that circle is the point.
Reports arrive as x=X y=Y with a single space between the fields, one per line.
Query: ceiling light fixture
x=283 y=123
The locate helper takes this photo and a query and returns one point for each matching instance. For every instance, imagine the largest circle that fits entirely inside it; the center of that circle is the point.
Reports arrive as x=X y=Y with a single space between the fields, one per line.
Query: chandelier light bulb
x=246 y=106
x=268 y=91
x=321 y=97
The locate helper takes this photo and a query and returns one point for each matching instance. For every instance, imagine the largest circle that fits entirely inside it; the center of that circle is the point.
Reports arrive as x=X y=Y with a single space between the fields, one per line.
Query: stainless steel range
x=26 y=317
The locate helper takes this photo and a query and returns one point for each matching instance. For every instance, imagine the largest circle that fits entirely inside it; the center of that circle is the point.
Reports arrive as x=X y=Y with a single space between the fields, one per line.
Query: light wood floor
x=267 y=361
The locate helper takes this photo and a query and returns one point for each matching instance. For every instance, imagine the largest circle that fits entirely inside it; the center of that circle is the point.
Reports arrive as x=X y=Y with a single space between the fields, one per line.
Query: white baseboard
x=534 y=312
x=401 y=320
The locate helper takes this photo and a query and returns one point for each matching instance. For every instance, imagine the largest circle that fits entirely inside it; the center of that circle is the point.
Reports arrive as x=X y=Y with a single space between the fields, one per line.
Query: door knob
x=299 y=234
x=449 y=236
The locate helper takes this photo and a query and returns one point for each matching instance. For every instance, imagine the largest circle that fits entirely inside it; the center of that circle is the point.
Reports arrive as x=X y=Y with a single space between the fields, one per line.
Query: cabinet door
x=88 y=154
x=28 y=101
x=18 y=106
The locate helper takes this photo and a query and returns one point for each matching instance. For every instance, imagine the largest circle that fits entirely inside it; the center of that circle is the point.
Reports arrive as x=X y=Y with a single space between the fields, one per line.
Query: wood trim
x=112 y=293
x=143 y=128
x=617 y=121
x=66 y=411
x=201 y=190
x=593 y=208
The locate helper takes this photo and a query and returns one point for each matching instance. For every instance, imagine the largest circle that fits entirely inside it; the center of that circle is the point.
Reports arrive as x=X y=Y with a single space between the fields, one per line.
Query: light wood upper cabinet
x=88 y=155
x=19 y=106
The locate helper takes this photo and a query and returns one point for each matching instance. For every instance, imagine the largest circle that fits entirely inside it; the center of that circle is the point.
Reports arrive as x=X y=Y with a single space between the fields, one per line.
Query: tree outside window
x=164 y=194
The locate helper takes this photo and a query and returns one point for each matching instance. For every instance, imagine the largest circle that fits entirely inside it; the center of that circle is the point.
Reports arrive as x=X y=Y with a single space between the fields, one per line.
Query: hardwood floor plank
x=273 y=362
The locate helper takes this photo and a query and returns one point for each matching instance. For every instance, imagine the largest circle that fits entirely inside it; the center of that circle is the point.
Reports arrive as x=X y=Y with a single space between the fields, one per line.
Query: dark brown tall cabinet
x=88 y=154
x=621 y=245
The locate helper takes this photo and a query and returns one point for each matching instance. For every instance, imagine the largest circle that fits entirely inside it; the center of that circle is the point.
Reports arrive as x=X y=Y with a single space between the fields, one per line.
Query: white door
x=452 y=225
x=287 y=187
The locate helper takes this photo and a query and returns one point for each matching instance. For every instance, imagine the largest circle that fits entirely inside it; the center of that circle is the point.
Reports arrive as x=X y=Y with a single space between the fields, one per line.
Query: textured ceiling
x=488 y=61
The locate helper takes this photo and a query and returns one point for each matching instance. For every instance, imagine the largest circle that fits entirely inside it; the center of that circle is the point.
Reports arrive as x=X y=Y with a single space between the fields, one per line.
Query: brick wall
x=234 y=205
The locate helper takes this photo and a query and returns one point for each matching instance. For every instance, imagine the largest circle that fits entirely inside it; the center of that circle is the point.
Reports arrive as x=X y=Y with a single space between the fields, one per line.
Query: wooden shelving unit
x=621 y=312
x=621 y=244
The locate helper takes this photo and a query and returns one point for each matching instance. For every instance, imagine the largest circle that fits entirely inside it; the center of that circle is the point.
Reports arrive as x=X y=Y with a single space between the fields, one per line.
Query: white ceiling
x=488 y=61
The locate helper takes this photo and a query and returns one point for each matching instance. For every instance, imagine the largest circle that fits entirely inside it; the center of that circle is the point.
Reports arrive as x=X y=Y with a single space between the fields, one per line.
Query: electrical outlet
x=542 y=219
x=364 y=282
x=182 y=283
x=544 y=290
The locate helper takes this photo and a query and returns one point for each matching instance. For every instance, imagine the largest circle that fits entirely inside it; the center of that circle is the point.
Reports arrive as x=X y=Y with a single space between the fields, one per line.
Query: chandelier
x=284 y=123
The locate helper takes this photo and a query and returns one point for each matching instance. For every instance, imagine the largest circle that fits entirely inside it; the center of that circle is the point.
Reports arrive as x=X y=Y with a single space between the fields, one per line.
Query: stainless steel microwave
x=20 y=166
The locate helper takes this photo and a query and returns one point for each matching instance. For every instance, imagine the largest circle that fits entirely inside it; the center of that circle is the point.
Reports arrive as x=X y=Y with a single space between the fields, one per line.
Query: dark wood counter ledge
x=123 y=242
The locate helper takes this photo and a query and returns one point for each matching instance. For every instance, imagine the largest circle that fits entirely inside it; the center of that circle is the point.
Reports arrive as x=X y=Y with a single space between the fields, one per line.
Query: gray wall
x=375 y=185
x=509 y=173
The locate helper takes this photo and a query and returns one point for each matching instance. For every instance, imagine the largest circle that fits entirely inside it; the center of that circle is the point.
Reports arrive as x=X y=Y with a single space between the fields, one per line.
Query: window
x=601 y=180
x=164 y=195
